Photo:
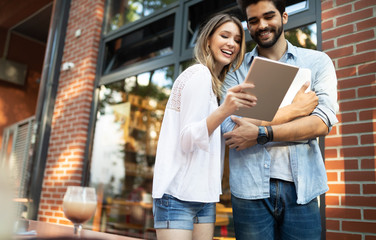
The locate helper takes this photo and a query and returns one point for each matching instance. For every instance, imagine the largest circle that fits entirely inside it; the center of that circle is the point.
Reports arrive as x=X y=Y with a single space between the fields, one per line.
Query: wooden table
x=46 y=230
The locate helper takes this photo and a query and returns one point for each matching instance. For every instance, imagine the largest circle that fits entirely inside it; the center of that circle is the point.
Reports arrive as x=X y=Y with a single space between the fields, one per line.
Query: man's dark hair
x=279 y=4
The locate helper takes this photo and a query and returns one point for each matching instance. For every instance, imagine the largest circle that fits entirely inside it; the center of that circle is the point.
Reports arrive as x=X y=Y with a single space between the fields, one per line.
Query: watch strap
x=270 y=133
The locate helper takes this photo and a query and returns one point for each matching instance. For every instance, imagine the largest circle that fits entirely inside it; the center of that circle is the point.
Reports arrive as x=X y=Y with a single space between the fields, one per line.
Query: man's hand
x=302 y=105
x=305 y=101
x=243 y=136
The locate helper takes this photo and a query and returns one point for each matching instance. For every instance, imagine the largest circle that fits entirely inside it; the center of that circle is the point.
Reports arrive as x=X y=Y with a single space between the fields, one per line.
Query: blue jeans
x=172 y=213
x=277 y=217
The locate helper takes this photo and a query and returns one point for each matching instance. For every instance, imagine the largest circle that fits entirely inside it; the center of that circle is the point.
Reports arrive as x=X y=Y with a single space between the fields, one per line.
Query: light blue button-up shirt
x=250 y=168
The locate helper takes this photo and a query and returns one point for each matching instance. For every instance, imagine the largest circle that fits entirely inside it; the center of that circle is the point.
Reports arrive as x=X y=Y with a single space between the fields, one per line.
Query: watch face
x=262 y=139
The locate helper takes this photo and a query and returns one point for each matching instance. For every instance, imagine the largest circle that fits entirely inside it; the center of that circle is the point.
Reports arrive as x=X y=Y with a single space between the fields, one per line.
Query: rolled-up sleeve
x=325 y=87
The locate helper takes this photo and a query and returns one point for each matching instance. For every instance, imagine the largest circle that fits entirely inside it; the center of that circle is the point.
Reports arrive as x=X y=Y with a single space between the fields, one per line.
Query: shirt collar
x=291 y=53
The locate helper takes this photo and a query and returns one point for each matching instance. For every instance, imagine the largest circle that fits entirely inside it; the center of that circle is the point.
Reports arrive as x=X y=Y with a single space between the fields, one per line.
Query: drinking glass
x=79 y=205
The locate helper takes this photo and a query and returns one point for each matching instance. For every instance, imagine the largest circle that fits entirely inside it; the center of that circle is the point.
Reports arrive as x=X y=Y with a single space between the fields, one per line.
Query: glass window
x=128 y=122
x=202 y=11
x=295 y=6
x=121 y=12
x=153 y=40
x=305 y=36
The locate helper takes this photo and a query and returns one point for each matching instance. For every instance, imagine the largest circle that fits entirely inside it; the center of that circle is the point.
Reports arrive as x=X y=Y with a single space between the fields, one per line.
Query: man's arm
x=245 y=135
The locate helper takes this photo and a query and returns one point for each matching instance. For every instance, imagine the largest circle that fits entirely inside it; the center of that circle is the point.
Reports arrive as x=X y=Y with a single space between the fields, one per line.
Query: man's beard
x=271 y=42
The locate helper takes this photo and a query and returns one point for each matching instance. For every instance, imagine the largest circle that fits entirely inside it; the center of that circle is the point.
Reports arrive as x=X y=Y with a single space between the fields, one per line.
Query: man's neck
x=276 y=51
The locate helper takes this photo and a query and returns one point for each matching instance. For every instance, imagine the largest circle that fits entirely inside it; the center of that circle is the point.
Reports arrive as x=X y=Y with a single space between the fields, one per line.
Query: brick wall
x=72 y=108
x=349 y=39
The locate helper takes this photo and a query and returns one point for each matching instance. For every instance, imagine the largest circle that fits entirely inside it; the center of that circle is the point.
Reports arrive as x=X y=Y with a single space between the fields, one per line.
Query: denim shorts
x=172 y=213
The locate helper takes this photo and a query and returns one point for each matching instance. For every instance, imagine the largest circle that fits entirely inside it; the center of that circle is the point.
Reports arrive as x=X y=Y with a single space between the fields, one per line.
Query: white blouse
x=189 y=163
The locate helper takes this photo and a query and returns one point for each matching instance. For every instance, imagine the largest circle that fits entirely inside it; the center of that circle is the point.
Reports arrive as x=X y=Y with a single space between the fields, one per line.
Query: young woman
x=189 y=159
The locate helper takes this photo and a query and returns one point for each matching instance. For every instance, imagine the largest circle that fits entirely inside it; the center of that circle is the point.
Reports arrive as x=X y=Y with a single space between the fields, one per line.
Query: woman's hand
x=238 y=97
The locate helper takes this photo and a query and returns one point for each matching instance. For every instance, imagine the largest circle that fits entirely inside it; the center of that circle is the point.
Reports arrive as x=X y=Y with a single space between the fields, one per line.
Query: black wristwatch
x=262 y=138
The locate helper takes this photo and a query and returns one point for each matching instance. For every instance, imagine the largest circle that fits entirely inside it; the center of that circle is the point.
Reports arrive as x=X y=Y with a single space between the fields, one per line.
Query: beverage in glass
x=79 y=205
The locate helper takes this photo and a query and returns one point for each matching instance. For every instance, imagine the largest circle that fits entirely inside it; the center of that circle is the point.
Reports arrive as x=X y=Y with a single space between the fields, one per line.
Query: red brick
x=368 y=163
x=358 y=151
x=332 y=224
x=370 y=214
x=58 y=214
x=48 y=214
x=341 y=52
x=356 y=82
x=347 y=117
x=342 y=2
x=368 y=139
x=337 y=11
x=332 y=176
x=355 y=37
x=331 y=153
x=342 y=236
x=370 y=237
x=52 y=220
x=358 y=201
x=64 y=222
x=325 y=5
x=357 y=105
x=346 y=72
x=369 y=188
x=327 y=24
x=341 y=141
x=366 y=24
x=366 y=69
x=356 y=59
x=338 y=31
x=353 y=17
x=327 y=44
x=331 y=200
x=358 y=176
x=358 y=127
x=362 y=227
x=339 y=188
x=366 y=46
x=368 y=91
x=347 y=94
x=341 y=164
x=334 y=130
x=345 y=213
x=363 y=4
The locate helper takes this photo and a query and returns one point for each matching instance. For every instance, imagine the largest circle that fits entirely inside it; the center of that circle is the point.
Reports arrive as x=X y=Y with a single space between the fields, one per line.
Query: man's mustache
x=259 y=32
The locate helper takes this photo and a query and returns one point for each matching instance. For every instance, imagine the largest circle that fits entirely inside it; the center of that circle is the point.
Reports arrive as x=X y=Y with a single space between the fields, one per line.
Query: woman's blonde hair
x=203 y=53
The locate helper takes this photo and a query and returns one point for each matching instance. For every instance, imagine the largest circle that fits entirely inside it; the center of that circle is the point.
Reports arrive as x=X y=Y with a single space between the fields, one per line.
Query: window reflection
x=295 y=6
x=129 y=118
x=121 y=12
x=153 y=40
x=201 y=11
x=305 y=36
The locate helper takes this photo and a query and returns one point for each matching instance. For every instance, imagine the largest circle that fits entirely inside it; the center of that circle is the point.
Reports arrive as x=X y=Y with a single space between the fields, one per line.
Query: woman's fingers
x=241 y=87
